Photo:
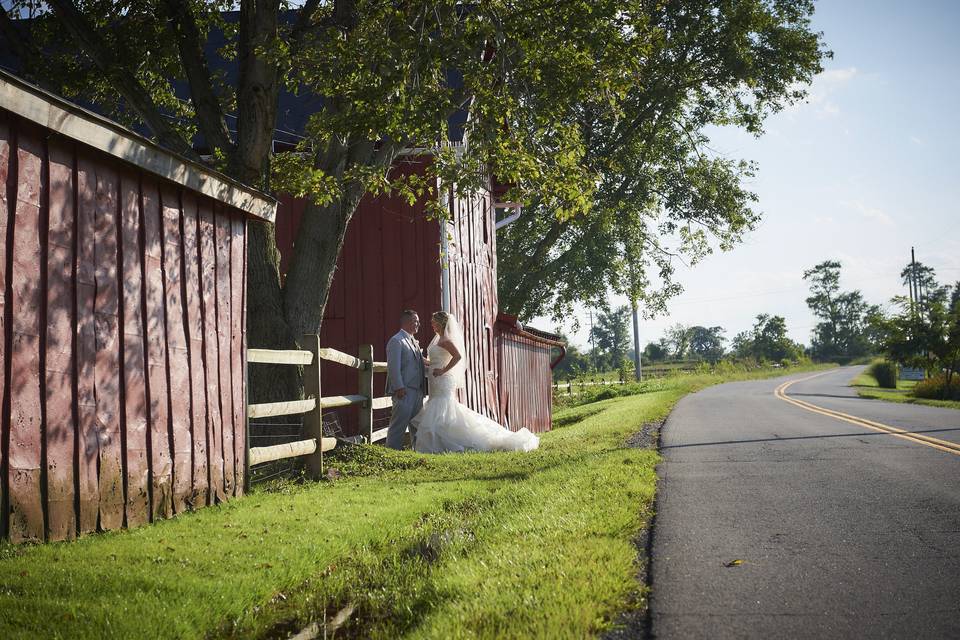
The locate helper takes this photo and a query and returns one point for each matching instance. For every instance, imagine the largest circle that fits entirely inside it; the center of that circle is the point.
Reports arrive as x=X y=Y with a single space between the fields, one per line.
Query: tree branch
x=257 y=91
x=105 y=58
x=205 y=102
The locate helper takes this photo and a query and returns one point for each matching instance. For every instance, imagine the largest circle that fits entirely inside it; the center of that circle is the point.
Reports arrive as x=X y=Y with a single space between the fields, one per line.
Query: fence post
x=313 y=421
x=246 y=425
x=366 y=390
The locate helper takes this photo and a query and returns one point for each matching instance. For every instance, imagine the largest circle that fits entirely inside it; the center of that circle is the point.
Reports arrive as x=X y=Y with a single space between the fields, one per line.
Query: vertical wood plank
x=198 y=394
x=245 y=388
x=107 y=365
x=237 y=319
x=26 y=509
x=222 y=231
x=60 y=430
x=136 y=404
x=5 y=204
x=88 y=448
x=178 y=361
x=208 y=284
x=161 y=463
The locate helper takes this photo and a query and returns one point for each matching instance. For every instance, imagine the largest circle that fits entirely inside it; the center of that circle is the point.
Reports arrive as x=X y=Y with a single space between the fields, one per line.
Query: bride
x=444 y=424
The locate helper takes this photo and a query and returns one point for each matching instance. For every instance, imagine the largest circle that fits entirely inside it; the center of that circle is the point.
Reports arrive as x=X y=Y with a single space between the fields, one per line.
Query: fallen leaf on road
x=734 y=563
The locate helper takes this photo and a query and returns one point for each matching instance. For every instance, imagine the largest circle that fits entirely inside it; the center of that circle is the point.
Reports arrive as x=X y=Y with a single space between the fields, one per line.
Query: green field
x=507 y=545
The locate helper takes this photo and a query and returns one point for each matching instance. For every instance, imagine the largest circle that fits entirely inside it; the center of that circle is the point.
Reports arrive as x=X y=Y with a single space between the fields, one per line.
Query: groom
x=405 y=378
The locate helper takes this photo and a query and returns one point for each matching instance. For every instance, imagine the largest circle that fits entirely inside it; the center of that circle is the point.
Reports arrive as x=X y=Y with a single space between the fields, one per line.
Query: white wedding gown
x=444 y=424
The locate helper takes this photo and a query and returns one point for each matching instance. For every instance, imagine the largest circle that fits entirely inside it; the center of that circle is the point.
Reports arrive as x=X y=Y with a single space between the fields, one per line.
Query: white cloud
x=821 y=91
x=836 y=76
x=917 y=141
x=870 y=213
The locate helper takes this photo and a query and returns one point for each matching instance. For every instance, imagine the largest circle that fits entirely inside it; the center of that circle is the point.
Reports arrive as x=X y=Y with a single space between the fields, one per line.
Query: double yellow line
x=936 y=443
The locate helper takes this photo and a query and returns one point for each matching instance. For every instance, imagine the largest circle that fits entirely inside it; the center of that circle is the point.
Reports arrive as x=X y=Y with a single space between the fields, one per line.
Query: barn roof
x=512 y=324
x=66 y=118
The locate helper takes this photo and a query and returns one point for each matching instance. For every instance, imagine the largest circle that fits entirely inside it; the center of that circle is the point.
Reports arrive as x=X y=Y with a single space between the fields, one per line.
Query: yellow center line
x=936 y=443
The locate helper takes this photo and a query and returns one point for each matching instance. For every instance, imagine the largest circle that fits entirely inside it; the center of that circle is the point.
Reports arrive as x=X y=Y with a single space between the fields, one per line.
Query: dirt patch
x=647 y=437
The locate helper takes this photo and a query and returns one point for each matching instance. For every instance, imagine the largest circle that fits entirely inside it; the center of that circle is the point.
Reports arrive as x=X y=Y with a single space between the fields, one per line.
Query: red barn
x=395 y=257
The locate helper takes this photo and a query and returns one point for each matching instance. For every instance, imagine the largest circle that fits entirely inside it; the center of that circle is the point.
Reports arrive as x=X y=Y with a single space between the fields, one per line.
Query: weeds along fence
x=313 y=442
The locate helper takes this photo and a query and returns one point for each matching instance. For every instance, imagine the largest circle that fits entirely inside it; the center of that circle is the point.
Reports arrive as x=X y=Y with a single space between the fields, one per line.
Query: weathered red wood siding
x=525 y=380
x=60 y=433
x=136 y=403
x=211 y=357
x=198 y=417
x=25 y=430
x=472 y=259
x=122 y=316
x=7 y=198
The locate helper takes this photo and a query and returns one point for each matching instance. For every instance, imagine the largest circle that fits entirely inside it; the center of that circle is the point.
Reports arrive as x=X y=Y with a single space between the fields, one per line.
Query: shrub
x=885 y=373
x=607 y=394
x=935 y=388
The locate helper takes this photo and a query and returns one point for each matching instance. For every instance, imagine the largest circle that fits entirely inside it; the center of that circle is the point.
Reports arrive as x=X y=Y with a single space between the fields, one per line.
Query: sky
x=866 y=168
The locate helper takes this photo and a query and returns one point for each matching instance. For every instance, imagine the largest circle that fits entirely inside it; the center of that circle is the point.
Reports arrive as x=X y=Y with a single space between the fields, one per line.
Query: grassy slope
x=867 y=387
x=475 y=545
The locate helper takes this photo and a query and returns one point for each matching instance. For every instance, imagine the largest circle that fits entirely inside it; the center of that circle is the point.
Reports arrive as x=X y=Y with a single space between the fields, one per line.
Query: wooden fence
x=314 y=444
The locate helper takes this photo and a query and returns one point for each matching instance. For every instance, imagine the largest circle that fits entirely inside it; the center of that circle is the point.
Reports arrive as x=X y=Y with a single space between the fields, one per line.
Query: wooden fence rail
x=315 y=444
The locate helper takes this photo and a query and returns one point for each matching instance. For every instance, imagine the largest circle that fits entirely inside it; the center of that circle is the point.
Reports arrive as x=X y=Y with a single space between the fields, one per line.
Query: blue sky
x=864 y=169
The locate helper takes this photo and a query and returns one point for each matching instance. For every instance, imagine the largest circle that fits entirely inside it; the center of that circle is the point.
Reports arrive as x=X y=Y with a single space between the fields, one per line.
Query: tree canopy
x=844 y=328
x=660 y=192
x=611 y=338
x=766 y=341
x=388 y=76
x=706 y=343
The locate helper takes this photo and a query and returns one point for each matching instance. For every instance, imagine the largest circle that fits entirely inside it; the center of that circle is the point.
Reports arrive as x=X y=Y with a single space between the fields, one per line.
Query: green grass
x=504 y=545
x=867 y=387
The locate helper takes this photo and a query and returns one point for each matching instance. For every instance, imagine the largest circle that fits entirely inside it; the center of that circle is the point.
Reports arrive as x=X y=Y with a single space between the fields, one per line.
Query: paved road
x=843 y=531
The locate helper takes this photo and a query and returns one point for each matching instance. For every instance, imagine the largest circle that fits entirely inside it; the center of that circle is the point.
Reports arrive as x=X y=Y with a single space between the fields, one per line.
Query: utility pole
x=637 y=372
x=914 y=284
x=593 y=354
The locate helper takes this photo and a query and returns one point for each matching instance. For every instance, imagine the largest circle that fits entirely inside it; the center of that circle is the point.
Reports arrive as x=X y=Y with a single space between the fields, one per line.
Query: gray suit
x=404 y=371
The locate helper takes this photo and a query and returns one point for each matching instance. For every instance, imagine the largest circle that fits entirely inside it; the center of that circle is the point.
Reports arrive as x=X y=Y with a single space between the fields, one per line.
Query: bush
x=885 y=374
x=933 y=388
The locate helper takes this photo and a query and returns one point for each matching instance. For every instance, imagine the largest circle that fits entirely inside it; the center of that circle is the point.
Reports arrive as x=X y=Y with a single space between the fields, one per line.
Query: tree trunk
x=267 y=327
x=257 y=93
x=322 y=232
x=637 y=371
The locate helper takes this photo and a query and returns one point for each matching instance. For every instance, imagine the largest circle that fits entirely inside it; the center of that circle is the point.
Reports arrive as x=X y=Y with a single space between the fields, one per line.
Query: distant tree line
x=922 y=330
x=765 y=342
